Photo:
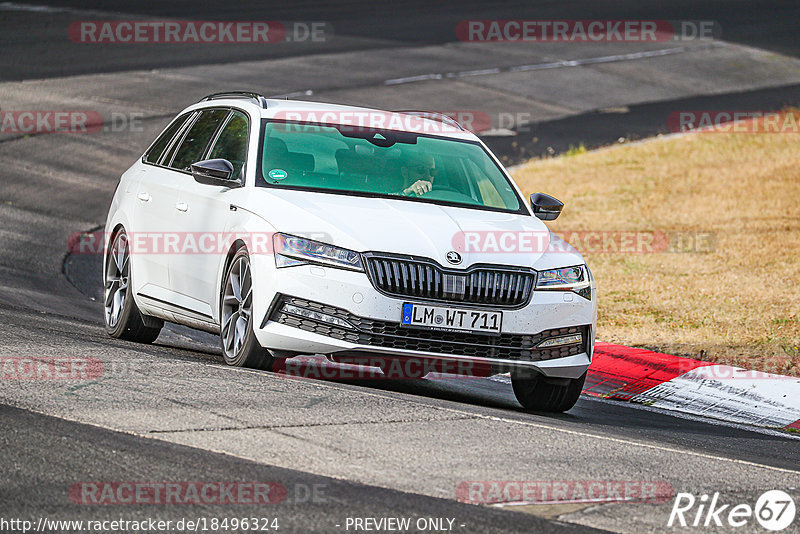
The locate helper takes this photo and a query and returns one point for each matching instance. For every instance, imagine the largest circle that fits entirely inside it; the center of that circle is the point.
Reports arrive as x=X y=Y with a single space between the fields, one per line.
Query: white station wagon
x=294 y=228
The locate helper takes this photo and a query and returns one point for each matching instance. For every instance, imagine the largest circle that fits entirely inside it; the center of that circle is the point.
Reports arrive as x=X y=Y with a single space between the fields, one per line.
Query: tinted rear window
x=154 y=154
x=198 y=137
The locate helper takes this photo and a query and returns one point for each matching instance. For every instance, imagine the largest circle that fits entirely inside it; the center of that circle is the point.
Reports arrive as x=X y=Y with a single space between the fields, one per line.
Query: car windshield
x=383 y=163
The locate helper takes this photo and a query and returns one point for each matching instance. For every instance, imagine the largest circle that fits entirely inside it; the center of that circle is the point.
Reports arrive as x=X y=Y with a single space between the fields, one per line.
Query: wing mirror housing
x=545 y=207
x=215 y=172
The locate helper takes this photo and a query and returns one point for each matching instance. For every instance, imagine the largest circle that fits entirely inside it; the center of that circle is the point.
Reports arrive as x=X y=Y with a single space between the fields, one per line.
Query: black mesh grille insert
x=392 y=335
x=424 y=279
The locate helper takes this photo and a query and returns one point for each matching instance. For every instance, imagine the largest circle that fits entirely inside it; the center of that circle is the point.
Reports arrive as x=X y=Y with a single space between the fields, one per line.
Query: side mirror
x=215 y=172
x=545 y=207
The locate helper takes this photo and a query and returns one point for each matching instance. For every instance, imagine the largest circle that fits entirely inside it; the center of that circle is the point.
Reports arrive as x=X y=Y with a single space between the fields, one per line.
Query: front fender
x=255 y=233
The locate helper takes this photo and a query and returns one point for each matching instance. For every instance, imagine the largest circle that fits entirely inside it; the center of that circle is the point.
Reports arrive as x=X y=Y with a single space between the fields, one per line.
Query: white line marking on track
x=307 y=92
x=550 y=65
x=410 y=79
x=31 y=8
x=13 y=6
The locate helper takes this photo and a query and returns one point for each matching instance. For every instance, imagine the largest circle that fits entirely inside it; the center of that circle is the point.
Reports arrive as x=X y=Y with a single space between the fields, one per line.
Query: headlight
x=291 y=250
x=566 y=279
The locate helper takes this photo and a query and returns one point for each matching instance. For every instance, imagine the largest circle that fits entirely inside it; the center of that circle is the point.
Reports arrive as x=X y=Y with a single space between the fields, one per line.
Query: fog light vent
x=315 y=316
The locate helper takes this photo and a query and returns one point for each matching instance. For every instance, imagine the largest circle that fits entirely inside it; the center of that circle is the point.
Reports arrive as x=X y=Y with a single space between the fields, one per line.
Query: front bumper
x=350 y=298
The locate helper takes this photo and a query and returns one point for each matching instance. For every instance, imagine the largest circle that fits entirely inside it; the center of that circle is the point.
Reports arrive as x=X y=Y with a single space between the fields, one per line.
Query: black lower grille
x=521 y=347
x=423 y=278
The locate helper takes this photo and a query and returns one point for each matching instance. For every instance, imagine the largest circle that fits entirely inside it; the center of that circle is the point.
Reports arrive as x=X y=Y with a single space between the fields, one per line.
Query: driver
x=418 y=172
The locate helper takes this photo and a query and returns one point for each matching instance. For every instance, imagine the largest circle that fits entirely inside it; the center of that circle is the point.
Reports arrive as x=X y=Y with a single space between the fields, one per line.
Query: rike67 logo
x=774 y=510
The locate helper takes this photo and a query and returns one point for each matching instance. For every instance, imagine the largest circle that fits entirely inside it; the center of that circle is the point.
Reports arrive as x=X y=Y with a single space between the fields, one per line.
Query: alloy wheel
x=237 y=304
x=117 y=277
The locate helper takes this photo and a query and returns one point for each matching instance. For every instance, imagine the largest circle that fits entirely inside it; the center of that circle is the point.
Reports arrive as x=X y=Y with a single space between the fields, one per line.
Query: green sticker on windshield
x=278 y=174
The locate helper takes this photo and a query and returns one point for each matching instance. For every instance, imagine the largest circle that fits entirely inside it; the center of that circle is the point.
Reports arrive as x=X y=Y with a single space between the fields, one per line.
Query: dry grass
x=738 y=304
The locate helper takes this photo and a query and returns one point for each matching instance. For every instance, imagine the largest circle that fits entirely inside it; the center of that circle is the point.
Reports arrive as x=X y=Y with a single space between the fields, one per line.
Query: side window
x=232 y=143
x=196 y=140
x=169 y=153
x=154 y=154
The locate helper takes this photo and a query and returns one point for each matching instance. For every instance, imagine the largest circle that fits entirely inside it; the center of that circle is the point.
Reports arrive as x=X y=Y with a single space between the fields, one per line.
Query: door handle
x=182 y=206
x=144 y=196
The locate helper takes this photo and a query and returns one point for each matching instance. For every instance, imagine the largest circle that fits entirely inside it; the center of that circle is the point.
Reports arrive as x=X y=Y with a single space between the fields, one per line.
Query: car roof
x=429 y=123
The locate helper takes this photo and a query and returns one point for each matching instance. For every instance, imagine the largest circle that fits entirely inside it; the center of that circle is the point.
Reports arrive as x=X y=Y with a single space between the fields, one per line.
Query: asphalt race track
x=172 y=411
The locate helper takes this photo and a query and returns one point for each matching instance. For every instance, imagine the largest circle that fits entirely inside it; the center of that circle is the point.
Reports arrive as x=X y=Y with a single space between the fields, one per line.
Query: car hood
x=368 y=224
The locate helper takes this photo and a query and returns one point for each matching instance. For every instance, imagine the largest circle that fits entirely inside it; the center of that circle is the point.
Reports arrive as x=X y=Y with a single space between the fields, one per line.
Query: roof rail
x=257 y=98
x=434 y=116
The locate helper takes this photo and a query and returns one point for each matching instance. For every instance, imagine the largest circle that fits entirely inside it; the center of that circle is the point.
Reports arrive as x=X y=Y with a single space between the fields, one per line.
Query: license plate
x=456 y=319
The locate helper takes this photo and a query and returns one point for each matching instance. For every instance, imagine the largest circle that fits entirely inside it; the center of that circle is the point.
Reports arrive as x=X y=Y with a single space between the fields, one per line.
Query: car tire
x=240 y=348
x=123 y=319
x=537 y=393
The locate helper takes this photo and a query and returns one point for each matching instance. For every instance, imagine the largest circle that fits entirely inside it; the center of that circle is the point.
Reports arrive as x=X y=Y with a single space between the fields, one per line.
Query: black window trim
x=187 y=117
x=186 y=132
x=177 y=140
x=221 y=129
x=179 y=136
x=214 y=139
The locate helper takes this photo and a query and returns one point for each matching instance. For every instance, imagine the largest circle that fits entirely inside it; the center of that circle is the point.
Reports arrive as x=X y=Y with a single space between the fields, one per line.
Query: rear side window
x=154 y=154
x=232 y=143
x=198 y=137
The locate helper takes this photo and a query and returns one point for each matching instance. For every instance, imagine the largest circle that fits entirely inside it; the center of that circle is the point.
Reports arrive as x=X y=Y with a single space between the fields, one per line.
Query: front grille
x=386 y=334
x=424 y=279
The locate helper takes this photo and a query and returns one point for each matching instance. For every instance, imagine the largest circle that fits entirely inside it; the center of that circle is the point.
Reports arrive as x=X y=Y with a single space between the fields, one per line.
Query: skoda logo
x=453 y=257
